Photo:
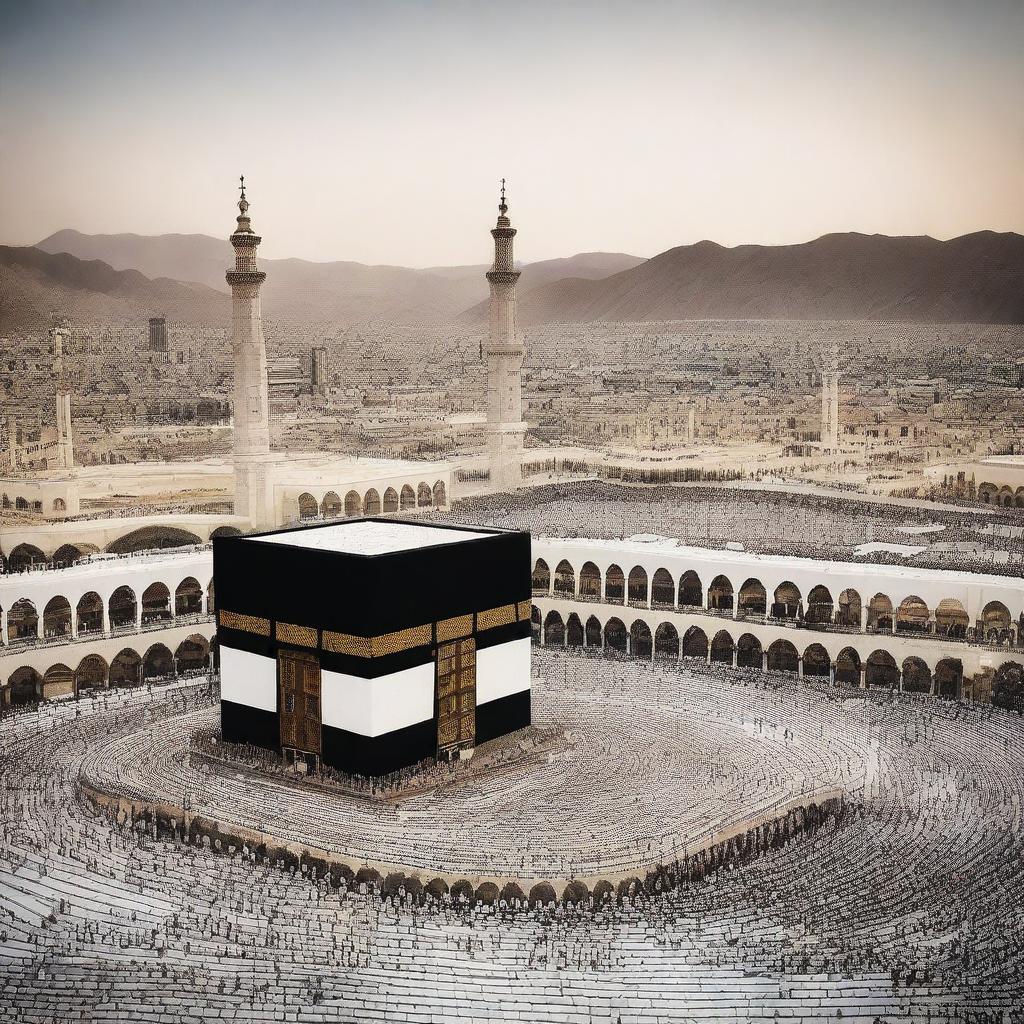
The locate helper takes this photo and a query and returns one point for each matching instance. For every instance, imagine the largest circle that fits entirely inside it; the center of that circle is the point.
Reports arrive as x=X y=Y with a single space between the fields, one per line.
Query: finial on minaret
x=502 y=206
x=243 y=208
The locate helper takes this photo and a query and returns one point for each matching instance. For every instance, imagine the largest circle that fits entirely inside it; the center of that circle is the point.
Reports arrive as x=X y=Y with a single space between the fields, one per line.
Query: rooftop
x=373 y=536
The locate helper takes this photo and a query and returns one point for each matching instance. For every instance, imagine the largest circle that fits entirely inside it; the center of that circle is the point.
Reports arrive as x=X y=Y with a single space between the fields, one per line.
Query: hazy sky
x=378 y=131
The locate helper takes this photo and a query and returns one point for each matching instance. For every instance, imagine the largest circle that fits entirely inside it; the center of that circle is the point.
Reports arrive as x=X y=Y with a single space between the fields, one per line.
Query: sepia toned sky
x=378 y=131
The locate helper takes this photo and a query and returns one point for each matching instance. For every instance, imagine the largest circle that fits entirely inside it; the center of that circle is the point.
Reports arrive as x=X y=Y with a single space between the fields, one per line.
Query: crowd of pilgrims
x=904 y=904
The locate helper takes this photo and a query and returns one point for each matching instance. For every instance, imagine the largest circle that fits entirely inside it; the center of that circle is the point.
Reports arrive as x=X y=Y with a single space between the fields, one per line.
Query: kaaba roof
x=374 y=536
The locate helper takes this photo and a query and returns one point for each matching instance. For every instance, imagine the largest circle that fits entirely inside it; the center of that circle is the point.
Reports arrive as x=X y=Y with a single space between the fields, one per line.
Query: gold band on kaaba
x=493 y=617
x=245 y=623
x=304 y=636
x=525 y=610
x=454 y=628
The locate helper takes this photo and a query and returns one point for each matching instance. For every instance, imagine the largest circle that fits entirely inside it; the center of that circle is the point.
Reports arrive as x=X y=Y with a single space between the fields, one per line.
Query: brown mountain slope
x=36 y=286
x=340 y=291
x=975 y=278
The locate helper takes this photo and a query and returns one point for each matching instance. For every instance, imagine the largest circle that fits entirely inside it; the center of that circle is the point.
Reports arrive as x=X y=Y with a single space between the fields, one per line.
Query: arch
x=331 y=507
x=371 y=503
x=21 y=504
x=158 y=663
x=554 y=630
x=783 y=657
x=440 y=494
x=541 y=577
x=1008 y=687
x=573 y=631
x=565 y=579
x=663 y=590
x=407 y=498
x=89 y=613
x=749 y=652
x=59 y=505
x=691 y=590
x=816 y=660
x=912 y=616
x=720 y=593
x=753 y=599
x=820 y=606
x=1018 y=499
x=880 y=614
x=192 y=654
x=58 y=680
x=390 y=501
x=226 y=531
x=308 y=507
x=666 y=642
x=211 y=602
x=1006 y=497
x=424 y=495
x=615 y=635
x=640 y=641
x=995 y=621
x=695 y=643
x=25 y=556
x=590 y=582
x=917 y=677
x=149 y=538
x=614 y=585
x=122 y=608
x=126 y=668
x=57 y=617
x=951 y=619
x=721 y=647
x=535 y=621
x=988 y=493
x=91 y=673
x=353 y=504
x=22 y=621
x=25 y=686
x=881 y=670
x=849 y=609
x=68 y=554
x=594 y=632
x=156 y=602
x=786 y=602
x=188 y=597
x=637 y=585
x=848 y=666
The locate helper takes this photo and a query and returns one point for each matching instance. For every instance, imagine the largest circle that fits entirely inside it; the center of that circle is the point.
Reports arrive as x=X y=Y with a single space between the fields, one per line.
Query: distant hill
x=35 y=285
x=340 y=291
x=975 y=278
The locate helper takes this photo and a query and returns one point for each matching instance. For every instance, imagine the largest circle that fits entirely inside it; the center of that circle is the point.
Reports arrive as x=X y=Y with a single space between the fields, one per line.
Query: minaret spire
x=251 y=433
x=504 y=352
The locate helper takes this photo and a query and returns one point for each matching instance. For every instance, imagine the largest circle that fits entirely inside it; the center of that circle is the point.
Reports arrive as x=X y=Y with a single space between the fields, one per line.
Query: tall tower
x=251 y=432
x=65 y=453
x=830 y=399
x=504 y=352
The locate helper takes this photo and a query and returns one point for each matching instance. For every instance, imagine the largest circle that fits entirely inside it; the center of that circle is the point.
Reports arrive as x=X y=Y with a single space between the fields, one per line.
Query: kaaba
x=372 y=644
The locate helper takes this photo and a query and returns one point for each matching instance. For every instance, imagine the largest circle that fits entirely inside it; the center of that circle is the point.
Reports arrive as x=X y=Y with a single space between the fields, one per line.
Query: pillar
x=106 y=616
x=863 y=676
x=74 y=623
x=735 y=655
x=863 y=618
x=40 y=624
x=800 y=666
x=831 y=672
x=764 y=660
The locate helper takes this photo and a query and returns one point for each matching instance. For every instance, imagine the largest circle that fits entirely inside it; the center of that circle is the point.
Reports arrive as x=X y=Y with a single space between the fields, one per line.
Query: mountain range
x=974 y=278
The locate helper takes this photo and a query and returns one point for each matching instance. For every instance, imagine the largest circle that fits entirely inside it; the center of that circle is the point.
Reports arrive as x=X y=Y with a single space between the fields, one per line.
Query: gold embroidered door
x=299 y=673
x=456 y=696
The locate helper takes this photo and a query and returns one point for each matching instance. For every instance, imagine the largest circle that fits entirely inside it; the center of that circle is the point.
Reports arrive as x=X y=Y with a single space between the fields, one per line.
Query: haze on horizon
x=377 y=132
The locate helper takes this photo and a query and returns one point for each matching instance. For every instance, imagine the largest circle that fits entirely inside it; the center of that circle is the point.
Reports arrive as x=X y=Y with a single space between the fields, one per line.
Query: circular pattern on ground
x=654 y=766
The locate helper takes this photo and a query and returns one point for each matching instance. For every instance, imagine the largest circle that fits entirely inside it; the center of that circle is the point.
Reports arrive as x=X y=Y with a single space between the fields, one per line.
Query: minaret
x=249 y=351
x=65 y=458
x=830 y=400
x=504 y=352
